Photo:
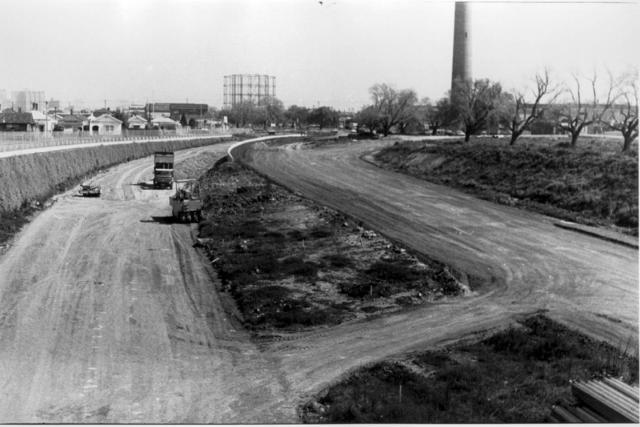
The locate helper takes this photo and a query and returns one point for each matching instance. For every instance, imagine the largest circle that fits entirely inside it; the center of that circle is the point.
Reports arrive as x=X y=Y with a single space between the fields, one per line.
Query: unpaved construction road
x=584 y=282
x=108 y=314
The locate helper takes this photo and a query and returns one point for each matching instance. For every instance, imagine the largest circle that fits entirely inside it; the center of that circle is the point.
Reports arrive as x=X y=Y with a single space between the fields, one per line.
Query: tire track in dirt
x=530 y=265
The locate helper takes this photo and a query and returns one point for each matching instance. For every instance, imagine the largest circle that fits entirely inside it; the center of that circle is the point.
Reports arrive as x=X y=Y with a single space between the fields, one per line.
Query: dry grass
x=515 y=376
x=291 y=264
x=593 y=184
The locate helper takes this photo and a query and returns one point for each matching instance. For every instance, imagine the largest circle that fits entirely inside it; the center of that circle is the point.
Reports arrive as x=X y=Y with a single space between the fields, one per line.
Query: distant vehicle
x=90 y=190
x=186 y=205
x=163 y=169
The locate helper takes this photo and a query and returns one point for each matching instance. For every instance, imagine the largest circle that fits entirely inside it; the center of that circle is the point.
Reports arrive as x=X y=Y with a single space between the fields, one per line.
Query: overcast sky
x=328 y=54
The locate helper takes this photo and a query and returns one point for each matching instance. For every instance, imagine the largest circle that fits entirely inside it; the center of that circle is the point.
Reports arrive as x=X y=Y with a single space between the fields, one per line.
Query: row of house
x=100 y=124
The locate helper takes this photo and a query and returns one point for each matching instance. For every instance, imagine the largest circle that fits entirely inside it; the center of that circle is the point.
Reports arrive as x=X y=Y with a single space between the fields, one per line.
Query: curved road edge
x=244 y=145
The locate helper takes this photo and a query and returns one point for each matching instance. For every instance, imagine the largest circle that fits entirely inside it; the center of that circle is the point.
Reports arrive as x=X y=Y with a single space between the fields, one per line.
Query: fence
x=16 y=141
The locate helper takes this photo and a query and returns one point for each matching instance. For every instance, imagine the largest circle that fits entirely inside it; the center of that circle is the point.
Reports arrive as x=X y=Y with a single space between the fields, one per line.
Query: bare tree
x=474 y=102
x=624 y=116
x=577 y=114
x=439 y=115
x=524 y=114
x=391 y=105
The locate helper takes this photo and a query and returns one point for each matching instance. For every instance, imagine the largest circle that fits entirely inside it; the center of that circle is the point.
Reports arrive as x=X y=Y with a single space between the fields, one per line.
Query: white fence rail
x=18 y=141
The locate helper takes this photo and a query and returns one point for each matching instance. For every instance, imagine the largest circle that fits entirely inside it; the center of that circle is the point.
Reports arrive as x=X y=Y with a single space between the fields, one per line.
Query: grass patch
x=338 y=260
x=392 y=271
x=591 y=184
x=514 y=376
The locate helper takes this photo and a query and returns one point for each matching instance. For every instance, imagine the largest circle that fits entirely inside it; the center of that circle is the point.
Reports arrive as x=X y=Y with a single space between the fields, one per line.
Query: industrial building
x=254 y=88
x=176 y=111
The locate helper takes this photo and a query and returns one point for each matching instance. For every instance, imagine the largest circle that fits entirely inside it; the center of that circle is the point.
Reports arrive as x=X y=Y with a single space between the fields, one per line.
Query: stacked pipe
x=608 y=400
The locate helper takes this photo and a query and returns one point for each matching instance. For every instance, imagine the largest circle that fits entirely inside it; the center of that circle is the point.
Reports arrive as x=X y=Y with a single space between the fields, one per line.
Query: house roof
x=106 y=118
x=163 y=120
x=16 y=118
x=137 y=119
x=37 y=115
x=72 y=119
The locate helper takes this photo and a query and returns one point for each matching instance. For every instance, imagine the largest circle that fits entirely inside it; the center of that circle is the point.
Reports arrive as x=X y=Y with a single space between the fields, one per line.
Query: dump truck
x=163 y=169
x=90 y=190
x=186 y=205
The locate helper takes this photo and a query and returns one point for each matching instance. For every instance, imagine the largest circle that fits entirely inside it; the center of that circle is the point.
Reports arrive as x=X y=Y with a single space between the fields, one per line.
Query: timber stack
x=600 y=401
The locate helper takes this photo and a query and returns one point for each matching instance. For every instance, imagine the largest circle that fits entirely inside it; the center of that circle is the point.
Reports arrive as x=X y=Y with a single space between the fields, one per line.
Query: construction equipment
x=90 y=190
x=163 y=169
x=186 y=205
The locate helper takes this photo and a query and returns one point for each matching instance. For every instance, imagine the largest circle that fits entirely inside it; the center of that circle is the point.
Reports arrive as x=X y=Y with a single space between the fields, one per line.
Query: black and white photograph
x=319 y=212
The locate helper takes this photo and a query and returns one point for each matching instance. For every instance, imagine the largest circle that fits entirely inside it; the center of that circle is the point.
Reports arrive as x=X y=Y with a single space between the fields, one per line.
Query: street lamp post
x=46 y=118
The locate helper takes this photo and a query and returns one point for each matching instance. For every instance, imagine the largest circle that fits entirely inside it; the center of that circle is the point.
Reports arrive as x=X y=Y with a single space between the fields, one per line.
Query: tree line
x=271 y=110
x=481 y=105
x=472 y=107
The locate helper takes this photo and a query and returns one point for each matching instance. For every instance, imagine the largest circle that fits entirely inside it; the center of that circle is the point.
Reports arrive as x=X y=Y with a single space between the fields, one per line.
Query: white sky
x=331 y=53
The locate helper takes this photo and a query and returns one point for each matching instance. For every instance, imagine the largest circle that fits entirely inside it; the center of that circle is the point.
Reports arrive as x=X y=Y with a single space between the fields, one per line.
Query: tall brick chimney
x=461 y=43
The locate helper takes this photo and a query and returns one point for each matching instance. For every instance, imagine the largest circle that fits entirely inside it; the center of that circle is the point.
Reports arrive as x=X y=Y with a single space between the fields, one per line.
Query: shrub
x=338 y=260
x=321 y=231
x=361 y=290
x=297 y=266
x=296 y=235
x=392 y=271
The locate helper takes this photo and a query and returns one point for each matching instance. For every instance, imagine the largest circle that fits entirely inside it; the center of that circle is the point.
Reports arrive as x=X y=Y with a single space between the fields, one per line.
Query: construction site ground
x=292 y=265
x=109 y=314
x=514 y=376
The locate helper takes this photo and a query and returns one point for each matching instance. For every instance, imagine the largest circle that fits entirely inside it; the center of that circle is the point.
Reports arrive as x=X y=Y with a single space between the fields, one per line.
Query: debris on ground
x=292 y=264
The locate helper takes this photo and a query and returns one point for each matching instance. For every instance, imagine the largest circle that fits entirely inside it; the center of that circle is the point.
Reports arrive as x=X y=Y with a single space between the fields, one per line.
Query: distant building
x=164 y=123
x=105 y=124
x=177 y=111
x=5 y=100
x=239 y=88
x=29 y=100
x=71 y=123
x=136 y=109
x=12 y=121
x=137 y=122
x=44 y=122
x=53 y=105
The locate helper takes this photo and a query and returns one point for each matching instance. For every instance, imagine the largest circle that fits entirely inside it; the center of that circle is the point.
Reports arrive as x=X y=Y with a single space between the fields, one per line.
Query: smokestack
x=461 y=43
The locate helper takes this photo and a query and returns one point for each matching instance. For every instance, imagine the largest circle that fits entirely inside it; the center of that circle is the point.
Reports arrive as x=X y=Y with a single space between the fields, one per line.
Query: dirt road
x=108 y=314
x=584 y=282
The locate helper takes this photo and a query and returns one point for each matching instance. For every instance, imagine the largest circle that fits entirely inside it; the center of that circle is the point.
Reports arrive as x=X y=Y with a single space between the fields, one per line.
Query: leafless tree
x=439 y=115
x=474 y=103
x=623 y=117
x=524 y=114
x=391 y=105
x=577 y=114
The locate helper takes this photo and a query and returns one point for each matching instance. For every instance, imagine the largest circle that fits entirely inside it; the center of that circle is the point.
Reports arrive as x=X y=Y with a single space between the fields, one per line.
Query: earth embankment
x=592 y=184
